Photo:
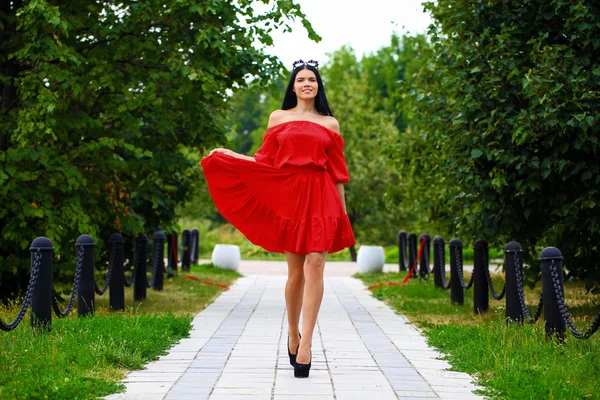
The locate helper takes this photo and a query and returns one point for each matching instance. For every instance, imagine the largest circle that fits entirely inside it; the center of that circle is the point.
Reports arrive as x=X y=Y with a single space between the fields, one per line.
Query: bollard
x=117 y=279
x=172 y=255
x=402 y=251
x=40 y=316
x=195 y=243
x=513 y=305
x=457 y=292
x=412 y=252
x=85 y=289
x=555 y=325
x=425 y=256
x=158 y=260
x=140 y=268
x=438 y=261
x=185 y=250
x=481 y=301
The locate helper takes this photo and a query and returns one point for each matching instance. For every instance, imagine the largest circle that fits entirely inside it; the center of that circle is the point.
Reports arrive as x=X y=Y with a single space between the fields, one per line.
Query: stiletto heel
x=292 y=356
x=302 y=370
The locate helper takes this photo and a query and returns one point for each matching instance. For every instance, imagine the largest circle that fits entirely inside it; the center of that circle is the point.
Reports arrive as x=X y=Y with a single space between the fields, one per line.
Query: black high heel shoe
x=302 y=370
x=292 y=356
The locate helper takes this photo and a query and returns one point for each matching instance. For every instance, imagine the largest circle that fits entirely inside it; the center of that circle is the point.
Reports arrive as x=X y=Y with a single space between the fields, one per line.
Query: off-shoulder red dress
x=286 y=200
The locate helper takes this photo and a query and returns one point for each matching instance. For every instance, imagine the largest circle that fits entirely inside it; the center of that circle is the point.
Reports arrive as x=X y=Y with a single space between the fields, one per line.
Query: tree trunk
x=353 y=253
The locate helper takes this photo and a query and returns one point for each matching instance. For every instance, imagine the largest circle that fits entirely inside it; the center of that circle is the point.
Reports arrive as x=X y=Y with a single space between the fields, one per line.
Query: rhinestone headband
x=302 y=63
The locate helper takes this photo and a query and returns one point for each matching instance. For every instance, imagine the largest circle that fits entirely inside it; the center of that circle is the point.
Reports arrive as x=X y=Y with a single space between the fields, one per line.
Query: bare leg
x=314 y=266
x=294 y=290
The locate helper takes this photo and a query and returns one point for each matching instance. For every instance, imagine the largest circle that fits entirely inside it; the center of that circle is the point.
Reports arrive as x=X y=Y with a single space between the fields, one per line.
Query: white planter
x=370 y=259
x=226 y=256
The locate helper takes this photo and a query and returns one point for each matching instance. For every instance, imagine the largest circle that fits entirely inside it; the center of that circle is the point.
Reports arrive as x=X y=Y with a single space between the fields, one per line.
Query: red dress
x=286 y=200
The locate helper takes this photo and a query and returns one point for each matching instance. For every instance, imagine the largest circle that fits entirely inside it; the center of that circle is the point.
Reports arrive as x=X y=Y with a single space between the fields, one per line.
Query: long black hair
x=290 y=100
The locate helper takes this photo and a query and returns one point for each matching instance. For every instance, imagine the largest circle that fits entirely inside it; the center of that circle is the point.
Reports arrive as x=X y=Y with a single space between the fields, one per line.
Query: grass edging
x=85 y=358
x=510 y=362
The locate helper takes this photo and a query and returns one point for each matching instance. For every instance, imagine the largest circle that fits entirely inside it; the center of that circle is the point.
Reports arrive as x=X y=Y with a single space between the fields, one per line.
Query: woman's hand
x=222 y=151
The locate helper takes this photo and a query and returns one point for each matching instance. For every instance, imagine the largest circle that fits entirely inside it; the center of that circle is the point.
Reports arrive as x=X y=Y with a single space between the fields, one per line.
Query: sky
x=365 y=25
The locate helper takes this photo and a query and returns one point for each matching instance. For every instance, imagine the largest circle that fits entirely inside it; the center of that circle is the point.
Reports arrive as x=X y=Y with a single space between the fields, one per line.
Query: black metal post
x=513 y=306
x=402 y=251
x=185 y=251
x=158 y=273
x=438 y=261
x=40 y=316
x=117 y=279
x=457 y=292
x=85 y=291
x=425 y=258
x=172 y=258
x=555 y=325
x=140 y=268
x=481 y=301
x=195 y=243
x=412 y=252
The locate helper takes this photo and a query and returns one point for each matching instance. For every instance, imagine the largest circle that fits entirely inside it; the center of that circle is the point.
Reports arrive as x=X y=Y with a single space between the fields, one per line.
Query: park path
x=237 y=350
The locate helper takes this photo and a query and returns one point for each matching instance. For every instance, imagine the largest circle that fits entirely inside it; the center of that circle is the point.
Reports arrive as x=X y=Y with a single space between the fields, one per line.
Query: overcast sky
x=365 y=25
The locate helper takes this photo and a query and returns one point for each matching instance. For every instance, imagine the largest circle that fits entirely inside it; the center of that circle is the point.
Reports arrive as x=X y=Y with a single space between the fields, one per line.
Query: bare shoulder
x=332 y=123
x=277 y=117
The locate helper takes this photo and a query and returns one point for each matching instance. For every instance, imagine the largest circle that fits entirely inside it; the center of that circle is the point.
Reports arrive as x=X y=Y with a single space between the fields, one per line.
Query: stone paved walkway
x=237 y=350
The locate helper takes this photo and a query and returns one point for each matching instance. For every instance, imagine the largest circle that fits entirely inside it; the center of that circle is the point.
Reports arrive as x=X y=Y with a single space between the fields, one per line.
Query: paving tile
x=237 y=349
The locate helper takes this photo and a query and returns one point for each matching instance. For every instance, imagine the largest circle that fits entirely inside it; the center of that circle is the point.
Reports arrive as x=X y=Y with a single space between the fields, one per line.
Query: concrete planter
x=226 y=256
x=370 y=259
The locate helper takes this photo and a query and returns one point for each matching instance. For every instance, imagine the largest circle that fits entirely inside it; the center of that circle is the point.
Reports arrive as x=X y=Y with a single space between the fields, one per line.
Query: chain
x=459 y=266
x=35 y=269
x=486 y=268
x=78 y=268
x=519 y=275
x=135 y=268
x=111 y=263
x=563 y=308
x=443 y=268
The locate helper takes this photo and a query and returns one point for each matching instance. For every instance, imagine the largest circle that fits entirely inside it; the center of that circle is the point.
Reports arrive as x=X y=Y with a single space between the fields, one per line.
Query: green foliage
x=103 y=109
x=502 y=118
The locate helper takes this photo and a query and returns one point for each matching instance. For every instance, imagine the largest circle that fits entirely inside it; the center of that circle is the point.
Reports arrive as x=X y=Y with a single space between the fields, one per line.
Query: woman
x=289 y=198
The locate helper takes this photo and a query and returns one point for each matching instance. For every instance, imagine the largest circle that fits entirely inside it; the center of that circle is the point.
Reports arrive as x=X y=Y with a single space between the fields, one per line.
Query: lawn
x=511 y=362
x=84 y=358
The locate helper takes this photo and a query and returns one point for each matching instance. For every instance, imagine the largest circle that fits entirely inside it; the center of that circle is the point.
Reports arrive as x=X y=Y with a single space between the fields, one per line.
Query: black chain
x=563 y=308
x=519 y=275
x=69 y=308
x=111 y=262
x=35 y=269
x=443 y=268
x=460 y=274
x=486 y=268
x=135 y=267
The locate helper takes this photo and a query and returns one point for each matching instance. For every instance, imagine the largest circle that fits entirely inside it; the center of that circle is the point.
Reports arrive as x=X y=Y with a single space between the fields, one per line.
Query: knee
x=314 y=266
x=296 y=278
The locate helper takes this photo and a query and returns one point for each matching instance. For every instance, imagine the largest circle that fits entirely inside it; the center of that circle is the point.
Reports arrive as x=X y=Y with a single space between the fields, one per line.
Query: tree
x=508 y=103
x=366 y=131
x=104 y=107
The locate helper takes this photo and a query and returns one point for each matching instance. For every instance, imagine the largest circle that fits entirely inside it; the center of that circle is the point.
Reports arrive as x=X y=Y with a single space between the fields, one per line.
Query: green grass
x=84 y=358
x=511 y=362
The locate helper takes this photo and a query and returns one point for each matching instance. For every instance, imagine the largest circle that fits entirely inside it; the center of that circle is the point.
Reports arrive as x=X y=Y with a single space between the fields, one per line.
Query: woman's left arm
x=340 y=189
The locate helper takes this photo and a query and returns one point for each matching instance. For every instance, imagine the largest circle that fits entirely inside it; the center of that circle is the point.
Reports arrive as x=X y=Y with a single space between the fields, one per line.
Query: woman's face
x=305 y=84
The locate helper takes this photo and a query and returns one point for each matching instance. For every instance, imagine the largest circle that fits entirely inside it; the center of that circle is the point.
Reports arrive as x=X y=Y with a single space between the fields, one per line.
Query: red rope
x=409 y=272
x=193 y=278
